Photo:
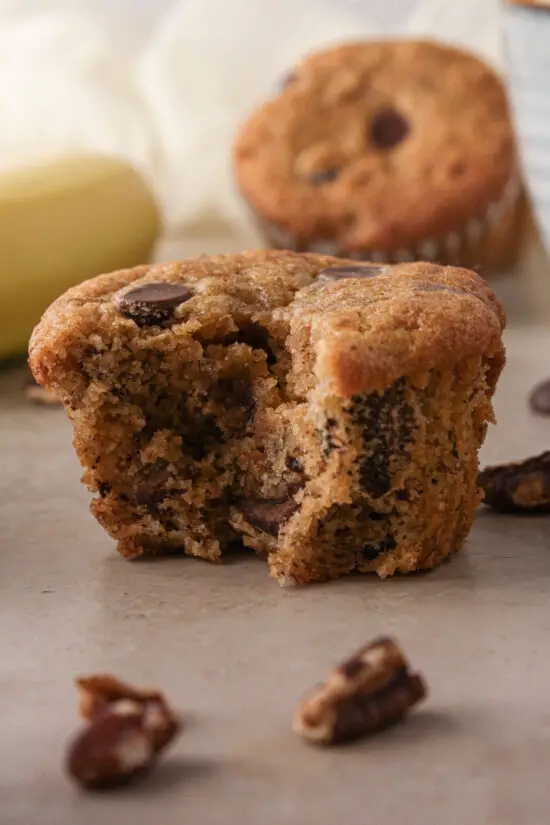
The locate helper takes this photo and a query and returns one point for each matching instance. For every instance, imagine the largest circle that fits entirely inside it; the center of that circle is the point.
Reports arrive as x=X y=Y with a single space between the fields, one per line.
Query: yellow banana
x=61 y=222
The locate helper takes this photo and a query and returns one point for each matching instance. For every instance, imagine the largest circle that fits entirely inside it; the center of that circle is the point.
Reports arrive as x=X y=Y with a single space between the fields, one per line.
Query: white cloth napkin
x=169 y=99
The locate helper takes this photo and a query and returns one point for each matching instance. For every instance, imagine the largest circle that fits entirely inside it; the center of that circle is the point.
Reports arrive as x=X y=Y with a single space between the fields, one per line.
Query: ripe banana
x=62 y=222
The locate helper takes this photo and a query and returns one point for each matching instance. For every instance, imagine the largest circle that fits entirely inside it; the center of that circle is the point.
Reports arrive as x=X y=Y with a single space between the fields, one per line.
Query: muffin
x=327 y=415
x=386 y=151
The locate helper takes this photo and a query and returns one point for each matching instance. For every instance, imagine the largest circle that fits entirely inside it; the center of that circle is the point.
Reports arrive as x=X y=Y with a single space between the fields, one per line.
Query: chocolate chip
x=540 y=398
x=387 y=422
x=371 y=551
x=152 y=304
x=340 y=273
x=151 y=490
x=321 y=176
x=328 y=437
x=268 y=515
x=388 y=128
x=294 y=464
x=256 y=337
x=103 y=489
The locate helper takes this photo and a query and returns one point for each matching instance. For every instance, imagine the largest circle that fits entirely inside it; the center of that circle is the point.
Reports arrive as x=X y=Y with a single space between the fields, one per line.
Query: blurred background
x=163 y=85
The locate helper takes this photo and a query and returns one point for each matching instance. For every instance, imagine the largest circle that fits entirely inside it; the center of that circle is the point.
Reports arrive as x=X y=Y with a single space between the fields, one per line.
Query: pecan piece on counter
x=520 y=487
x=364 y=694
x=127 y=729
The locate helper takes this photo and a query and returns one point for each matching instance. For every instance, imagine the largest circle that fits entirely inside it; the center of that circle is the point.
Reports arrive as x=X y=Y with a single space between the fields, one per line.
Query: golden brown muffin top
x=345 y=327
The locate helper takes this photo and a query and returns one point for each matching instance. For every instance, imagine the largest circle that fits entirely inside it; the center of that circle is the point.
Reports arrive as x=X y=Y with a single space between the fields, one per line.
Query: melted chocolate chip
x=372 y=551
x=340 y=273
x=387 y=423
x=268 y=515
x=540 y=398
x=388 y=128
x=150 y=489
x=330 y=443
x=321 y=176
x=294 y=464
x=103 y=489
x=152 y=304
x=254 y=336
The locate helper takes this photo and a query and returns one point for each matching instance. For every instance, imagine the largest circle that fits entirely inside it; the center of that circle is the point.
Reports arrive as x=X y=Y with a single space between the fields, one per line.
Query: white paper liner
x=446 y=247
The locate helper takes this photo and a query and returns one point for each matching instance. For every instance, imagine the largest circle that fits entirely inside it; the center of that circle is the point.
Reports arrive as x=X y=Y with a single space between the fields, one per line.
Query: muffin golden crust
x=391 y=150
x=324 y=413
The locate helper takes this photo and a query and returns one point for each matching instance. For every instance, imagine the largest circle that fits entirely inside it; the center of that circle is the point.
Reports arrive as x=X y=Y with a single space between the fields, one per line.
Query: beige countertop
x=234 y=651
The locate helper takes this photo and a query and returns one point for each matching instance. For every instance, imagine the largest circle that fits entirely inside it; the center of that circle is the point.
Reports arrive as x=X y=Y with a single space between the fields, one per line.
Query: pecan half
x=364 y=694
x=127 y=730
x=521 y=487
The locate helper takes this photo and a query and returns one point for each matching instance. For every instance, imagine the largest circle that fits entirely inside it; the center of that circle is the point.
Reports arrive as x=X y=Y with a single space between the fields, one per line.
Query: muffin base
x=383 y=482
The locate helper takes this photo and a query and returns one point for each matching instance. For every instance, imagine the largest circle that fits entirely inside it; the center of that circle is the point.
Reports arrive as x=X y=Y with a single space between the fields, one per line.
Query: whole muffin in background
x=386 y=151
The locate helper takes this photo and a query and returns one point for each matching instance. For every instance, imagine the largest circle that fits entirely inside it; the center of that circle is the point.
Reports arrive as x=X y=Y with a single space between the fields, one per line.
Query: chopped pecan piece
x=521 y=487
x=127 y=730
x=368 y=692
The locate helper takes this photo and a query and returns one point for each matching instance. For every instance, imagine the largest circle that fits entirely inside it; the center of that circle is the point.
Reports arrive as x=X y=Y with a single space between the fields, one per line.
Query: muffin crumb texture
x=324 y=414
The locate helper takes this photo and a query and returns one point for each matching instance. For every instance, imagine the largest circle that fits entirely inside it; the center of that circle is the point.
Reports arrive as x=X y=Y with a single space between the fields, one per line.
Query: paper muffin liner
x=527 y=53
x=478 y=243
